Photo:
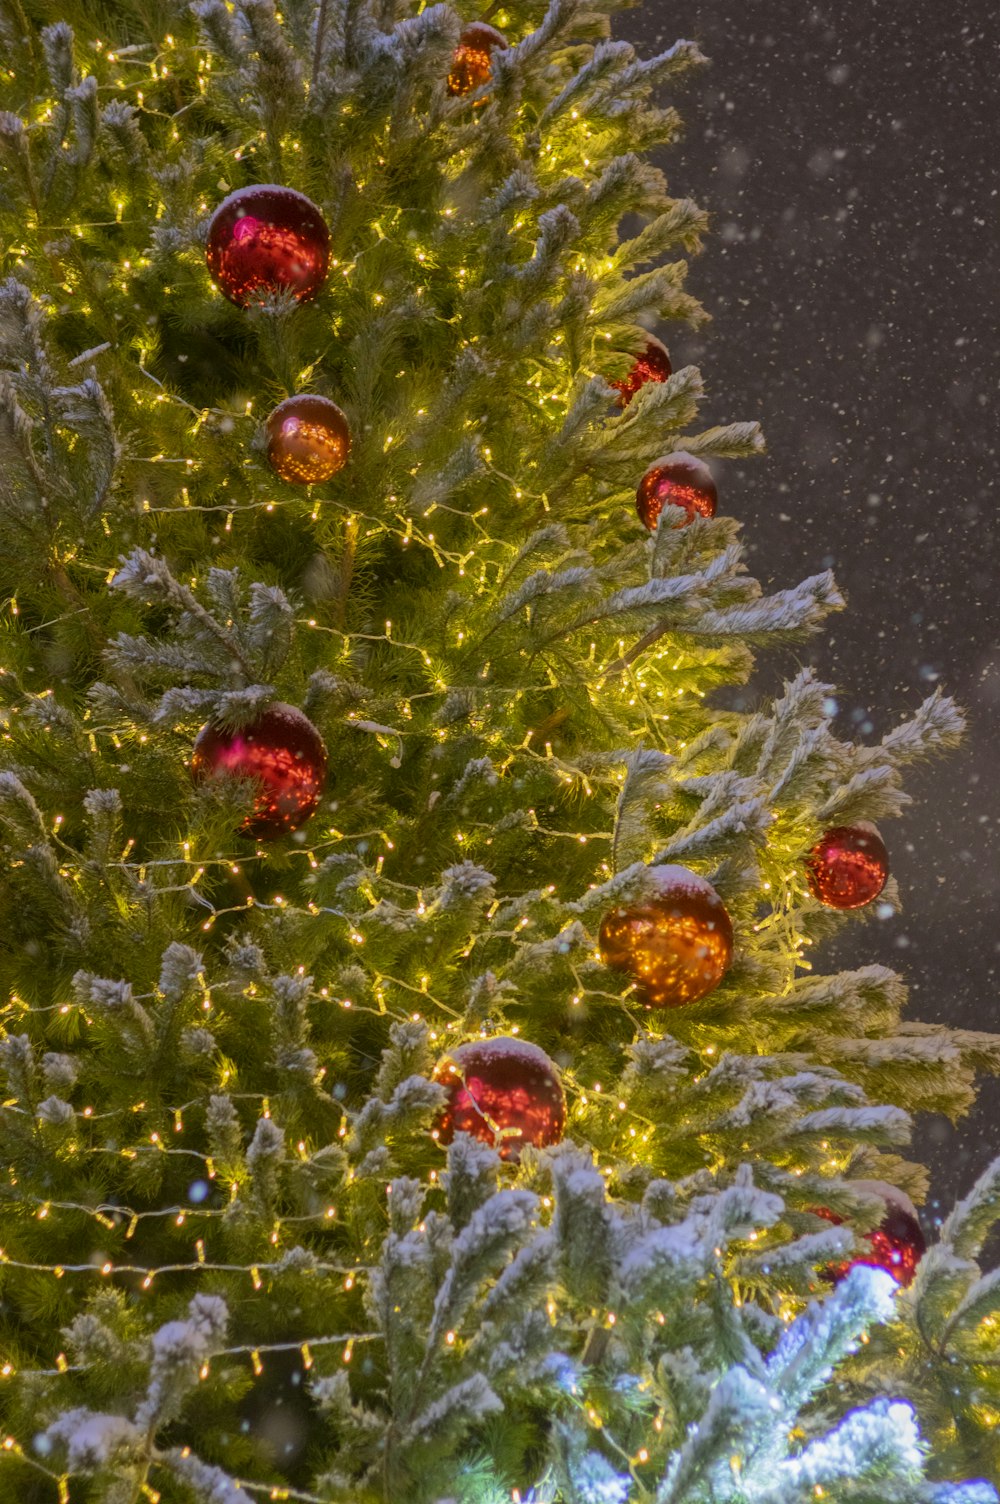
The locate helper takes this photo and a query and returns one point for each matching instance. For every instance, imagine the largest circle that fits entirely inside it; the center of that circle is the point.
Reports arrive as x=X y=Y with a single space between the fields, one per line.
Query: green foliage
x=219 y=1055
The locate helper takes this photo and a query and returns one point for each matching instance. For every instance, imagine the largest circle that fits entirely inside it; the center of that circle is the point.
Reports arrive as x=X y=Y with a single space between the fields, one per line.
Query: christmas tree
x=420 y=1076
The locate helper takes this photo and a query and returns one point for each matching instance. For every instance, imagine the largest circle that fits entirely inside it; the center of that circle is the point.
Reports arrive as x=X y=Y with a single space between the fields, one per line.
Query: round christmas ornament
x=504 y=1091
x=652 y=365
x=308 y=439
x=471 y=64
x=283 y=752
x=848 y=867
x=897 y=1245
x=678 y=481
x=267 y=239
x=677 y=946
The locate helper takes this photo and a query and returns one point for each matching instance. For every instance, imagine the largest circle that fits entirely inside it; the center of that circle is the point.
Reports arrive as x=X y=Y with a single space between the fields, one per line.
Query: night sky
x=848 y=157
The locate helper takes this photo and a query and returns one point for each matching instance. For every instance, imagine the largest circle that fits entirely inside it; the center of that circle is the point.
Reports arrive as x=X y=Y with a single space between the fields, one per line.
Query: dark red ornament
x=897 y=1245
x=678 y=481
x=848 y=867
x=677 y=945
x=267 y=239
x=308 y=439
x=472 y=62
x=283 y=752
x=652 y=365
x=504 y=1091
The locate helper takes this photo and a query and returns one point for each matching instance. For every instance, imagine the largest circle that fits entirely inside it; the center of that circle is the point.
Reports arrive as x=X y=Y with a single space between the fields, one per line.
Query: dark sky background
x=848 y=155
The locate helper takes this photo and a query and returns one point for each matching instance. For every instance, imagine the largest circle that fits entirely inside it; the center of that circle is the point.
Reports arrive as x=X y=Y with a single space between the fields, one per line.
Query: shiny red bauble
x=308 y=439
x=285 y=756
x=652 y=365
x=680 y=480
x=848 y=867
x=267 y=239
x=504 y=1091
x=677 y=946
x=897 y=1245
x=471 y=64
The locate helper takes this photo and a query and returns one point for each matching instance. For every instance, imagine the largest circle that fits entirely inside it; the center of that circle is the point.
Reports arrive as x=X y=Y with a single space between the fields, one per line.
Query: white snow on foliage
x=92 y=1440
x=179 y=1348
x=881 y=1437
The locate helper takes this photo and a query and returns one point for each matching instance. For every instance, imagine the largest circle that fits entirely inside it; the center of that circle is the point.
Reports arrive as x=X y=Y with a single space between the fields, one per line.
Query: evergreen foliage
x=224 y=1201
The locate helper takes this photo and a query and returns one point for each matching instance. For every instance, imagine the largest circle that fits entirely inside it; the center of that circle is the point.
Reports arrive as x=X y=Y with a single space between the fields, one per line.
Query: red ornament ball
x=282 y=752
x=471 y=64
x=897 y=1245
x=308 y=439
x=677 y=945
x=848 y=867
x=678 y=481
x=267 y=239
x=652 y=365
x=504 y=1091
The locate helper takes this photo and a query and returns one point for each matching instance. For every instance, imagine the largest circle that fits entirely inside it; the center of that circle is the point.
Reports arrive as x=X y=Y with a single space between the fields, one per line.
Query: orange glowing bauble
x=267 y=239
x=897 y=1245
x=849 y=867
x=471 y=64
x=677 y=946
x=308 y=439
x=504 y=1091
x=678 y=481
x=652 y=365
x=282 y=752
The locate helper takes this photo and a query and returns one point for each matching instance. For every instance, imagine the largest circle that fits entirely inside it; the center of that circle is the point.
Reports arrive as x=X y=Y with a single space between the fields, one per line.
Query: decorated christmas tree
x=421 y=1078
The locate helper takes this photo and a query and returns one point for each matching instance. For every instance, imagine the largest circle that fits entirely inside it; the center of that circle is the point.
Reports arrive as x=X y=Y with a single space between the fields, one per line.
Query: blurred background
x=849 y=156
